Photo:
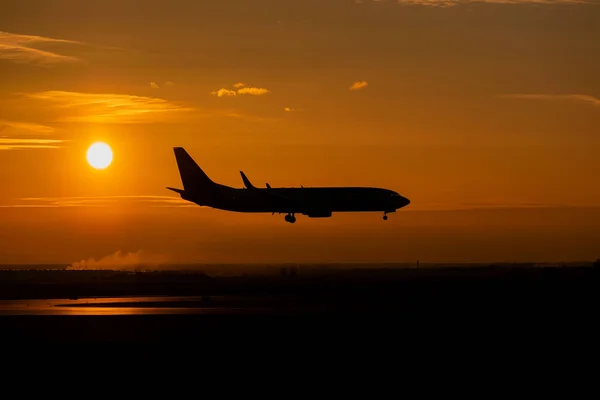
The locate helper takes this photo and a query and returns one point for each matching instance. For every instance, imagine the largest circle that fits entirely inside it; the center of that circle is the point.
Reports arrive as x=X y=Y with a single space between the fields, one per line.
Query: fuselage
x=312 y=201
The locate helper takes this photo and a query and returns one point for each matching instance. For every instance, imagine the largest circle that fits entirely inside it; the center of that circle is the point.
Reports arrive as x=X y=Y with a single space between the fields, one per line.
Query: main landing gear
x=290 y=218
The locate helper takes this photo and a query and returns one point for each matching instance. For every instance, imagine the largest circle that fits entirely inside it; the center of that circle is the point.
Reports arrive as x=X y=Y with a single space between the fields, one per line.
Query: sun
x=99 y=155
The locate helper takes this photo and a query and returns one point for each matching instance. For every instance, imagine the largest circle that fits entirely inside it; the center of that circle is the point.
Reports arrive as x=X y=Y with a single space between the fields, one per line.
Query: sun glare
x=99 y=155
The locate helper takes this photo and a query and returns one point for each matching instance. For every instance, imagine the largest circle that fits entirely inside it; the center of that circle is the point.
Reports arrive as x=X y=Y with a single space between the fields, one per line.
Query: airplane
x=314 y=202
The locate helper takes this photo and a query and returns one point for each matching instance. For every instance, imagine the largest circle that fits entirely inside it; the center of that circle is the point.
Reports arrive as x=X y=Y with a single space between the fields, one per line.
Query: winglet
x=247 y=182
x=268 y=186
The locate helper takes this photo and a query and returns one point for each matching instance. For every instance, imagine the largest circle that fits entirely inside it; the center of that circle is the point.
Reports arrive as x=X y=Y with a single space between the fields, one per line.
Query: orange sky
x=484 y=113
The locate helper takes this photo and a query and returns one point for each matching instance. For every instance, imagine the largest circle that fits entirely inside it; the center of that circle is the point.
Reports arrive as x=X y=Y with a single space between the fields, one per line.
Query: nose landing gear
x=290 y=218
x=385 y=217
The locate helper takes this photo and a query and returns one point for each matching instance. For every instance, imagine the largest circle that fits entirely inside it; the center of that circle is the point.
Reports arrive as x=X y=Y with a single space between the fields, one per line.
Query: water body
x=172 y=305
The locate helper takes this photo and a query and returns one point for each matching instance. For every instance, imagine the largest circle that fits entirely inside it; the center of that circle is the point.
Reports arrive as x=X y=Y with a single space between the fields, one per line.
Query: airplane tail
x=192 y=176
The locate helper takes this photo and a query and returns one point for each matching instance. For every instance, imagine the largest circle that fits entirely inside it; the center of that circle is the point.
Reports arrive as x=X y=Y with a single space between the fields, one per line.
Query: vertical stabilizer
x=192 y=176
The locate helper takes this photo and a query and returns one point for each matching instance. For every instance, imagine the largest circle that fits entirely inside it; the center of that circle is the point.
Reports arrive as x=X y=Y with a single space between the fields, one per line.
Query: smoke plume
x=137 y=261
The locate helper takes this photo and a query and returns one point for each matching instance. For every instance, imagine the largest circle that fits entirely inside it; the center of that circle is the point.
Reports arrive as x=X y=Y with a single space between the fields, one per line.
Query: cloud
x=17 y=48
x=494 y=205
x=101 y=201
x=358 y=85
x=250 y=117
x=241 y=89
x=580 y=98
x=253 y=91
x=112 y=108
x=16 y=127
x=167 y=84
x=118 y=261
x=18 y=143
x=451 y=3
x=223 y=92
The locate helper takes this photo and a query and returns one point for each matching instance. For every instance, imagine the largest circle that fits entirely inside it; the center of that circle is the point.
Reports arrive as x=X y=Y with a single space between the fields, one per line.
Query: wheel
x=385 y=217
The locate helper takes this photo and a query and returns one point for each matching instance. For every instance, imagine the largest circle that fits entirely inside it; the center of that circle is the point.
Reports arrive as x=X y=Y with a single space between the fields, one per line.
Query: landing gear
x=385 y=213
x=290 y=218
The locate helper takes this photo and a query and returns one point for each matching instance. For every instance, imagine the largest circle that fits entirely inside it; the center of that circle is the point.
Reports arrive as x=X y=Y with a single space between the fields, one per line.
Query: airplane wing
x=281 y=202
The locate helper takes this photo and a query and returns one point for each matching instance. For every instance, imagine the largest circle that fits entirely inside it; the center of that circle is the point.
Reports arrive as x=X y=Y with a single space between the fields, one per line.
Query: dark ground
x=357 y=305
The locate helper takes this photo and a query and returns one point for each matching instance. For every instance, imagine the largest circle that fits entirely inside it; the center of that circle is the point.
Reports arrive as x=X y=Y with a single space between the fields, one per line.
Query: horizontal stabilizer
x=180 y=191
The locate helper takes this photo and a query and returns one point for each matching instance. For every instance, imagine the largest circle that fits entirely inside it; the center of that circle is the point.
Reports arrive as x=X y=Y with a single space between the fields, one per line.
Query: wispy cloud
x=22 y=143
x=358 y=85
x=20 y=128
x=451 y=3
x=223 y=92
x=494 y=205
x=249 y=117
x=13 y=131
x=167 y=84
x=580 y=98
x=112 y=108
x=18 y=48
x=253 y=91
x=101 y=201
x=239 y=89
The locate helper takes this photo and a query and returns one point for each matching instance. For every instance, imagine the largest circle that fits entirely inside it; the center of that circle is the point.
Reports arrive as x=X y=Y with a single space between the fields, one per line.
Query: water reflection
x=119 y=306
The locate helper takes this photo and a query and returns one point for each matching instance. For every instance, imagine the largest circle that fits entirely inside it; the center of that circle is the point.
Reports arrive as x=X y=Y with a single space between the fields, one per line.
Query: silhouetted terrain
x=365 y=288
x=501 y=293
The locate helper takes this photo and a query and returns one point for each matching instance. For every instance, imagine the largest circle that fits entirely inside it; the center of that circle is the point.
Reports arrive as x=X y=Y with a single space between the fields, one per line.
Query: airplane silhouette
x=314 y=202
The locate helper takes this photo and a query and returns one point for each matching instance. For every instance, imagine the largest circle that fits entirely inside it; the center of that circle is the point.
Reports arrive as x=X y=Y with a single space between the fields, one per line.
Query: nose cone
x=403 y=202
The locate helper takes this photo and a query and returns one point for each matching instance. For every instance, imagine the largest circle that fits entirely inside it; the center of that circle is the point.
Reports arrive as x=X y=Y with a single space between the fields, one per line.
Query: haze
x=484 y=113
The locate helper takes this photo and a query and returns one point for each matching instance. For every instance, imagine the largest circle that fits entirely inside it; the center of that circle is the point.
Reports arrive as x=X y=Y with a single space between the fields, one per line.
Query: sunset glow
x=485 y=114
